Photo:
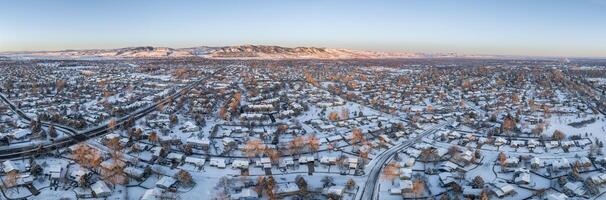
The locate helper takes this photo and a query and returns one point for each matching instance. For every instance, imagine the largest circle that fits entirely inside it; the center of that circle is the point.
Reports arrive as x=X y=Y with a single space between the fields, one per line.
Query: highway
x=66 y=129
x=10 y=152
x=370 y=190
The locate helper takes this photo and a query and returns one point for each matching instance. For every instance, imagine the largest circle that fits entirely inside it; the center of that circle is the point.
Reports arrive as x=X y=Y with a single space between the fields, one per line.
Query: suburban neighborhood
x=208 y=129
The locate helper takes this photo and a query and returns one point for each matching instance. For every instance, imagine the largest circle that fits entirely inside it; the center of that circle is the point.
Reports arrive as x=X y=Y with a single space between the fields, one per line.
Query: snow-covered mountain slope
x=230 y=52
x=131 y=52
x=277 y=52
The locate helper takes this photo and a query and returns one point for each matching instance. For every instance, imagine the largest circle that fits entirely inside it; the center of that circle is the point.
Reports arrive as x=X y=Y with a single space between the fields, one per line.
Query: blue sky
x=512 y=27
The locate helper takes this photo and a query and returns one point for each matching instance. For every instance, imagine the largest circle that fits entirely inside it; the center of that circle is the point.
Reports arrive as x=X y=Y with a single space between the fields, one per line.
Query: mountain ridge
x=232 y=52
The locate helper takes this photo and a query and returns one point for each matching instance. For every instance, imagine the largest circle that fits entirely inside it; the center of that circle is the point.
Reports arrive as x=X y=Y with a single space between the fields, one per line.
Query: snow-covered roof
x=240 y=164
x=195 y=161
x=133 y=171
x=9 y=166
x=100 y=188
x=165 y=182
x=335 y=190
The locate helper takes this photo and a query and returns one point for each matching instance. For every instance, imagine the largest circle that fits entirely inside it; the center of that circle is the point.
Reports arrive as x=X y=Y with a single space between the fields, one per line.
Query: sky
x=570 y=28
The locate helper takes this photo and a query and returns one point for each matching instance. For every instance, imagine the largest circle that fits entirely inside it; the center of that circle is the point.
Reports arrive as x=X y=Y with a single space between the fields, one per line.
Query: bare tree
x=310 y=79
x=10 y=180
x=350 y=184
x=86 y=156
x=274 y=155
x=296 y=145
x=173 y=119
x=357 y=136
x=187 y=149
x=391 y=171
x=185 y=178
x=333 y=116
x=260 y=185
x=115 y=174
x=453 y=150
x=418 y=187
x=52 y=132
x=508 y=123
x=429 y=154
x=502 y=158
x=153 y=137
x=114 y=144
x=235 y=103
x=478 y=182
x=270 y=186
x=558 y=135
x=112 y=124
x=252 y=147
x=223 y=114
x=314 y=143
x=302 y=184
x=60 y=85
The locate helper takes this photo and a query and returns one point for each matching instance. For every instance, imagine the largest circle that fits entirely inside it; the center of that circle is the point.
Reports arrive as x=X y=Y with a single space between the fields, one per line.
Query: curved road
x=9 y=152
x=370 y=190
x=16 y=110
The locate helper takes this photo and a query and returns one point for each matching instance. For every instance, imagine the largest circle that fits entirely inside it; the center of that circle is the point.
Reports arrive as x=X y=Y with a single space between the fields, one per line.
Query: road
x=597 y=92
x=370 y=190
x=9 y=152
x=66 y=129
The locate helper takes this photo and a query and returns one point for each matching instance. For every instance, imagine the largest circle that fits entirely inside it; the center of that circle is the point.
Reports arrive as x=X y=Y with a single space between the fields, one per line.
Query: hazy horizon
x=525 y=28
